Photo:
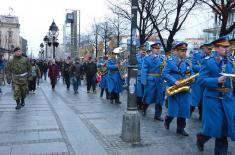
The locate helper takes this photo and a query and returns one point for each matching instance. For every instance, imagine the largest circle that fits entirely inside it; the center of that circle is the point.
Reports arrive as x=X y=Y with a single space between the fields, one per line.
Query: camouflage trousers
x=20 y=91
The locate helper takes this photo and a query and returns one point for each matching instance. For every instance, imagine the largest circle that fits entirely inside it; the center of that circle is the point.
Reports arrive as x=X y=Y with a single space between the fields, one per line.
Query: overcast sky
x=35 y=17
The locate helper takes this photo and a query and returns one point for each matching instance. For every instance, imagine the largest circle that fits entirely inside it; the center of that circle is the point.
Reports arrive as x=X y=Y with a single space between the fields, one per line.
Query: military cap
x=16 y=49
x=222 y=41
x=232 y=41
x=181 y=46
x=208 y=45
x=142 y=47
x=156 y=45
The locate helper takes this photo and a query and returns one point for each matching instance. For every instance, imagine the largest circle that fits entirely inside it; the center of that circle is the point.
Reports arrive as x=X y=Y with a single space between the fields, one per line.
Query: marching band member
x=114 y=79
x=140 y=88
x=232 y=48
x=197 y=91
x=178 y=104
x=103 y=83
x=218 y=99
x=152 y=81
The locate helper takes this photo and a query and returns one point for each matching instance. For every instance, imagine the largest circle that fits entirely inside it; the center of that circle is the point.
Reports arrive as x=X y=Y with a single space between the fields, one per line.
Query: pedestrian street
x=62 y=123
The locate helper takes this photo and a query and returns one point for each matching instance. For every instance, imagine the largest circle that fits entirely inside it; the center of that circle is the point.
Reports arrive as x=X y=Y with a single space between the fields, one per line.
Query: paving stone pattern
x=61 y=123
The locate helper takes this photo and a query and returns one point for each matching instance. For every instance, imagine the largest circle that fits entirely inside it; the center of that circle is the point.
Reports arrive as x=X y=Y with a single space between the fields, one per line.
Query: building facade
x=213 y=30
x=9 y=32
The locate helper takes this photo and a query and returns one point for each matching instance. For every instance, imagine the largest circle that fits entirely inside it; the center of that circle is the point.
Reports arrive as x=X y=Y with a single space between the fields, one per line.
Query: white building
x=213 y=30
x=9 y=32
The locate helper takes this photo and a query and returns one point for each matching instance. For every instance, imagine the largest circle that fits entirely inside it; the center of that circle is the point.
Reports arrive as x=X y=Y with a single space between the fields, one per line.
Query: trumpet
x=183 y=86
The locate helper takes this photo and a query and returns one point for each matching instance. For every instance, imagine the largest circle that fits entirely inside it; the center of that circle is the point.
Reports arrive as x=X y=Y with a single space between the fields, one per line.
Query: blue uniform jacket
x=152 y=80
x=218 y=114
x=139 y=86
x=114 y=79
x=197 y=91
x=178 y=104
x=103 y=82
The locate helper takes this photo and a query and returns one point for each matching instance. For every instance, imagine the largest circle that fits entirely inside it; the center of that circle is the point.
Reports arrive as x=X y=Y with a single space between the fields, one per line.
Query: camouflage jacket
x=19 y=70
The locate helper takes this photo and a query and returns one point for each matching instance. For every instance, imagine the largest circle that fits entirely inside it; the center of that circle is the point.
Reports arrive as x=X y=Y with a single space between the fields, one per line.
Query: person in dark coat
x=90 y=69
x=45 y=69
x=76 y=72
x=67 y=72
x=35 y=73
x=53 y=74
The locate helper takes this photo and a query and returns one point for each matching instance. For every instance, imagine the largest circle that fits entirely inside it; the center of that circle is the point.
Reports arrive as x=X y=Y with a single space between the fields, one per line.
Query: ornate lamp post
x=41 y=52
x=46 y=41
x=53 y=33
x=131 y=118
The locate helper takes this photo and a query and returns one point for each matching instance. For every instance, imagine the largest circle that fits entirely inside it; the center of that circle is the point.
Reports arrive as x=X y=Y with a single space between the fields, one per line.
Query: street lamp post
x=41 y=51
x=131 y=118
x=53 y=33
x=46 y=41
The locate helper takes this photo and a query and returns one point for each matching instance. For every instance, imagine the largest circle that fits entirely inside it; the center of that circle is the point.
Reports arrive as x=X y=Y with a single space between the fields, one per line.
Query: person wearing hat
x=19 y=72
x=197 y=91
x=152 y=81
x=232 y=49
x=114 y=78
x=218 y=99
x=103 y=83
x=179 y=104
x=139 y=87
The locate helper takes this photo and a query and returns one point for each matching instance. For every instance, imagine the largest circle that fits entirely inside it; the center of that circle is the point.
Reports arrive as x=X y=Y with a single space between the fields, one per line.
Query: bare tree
x=144 y=26
x=119 y=27
x=105 y=31
x=168 y=18
x=222 y=10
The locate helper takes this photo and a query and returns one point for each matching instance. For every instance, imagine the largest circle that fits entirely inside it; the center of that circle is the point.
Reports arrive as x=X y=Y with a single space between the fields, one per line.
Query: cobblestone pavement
x=61 y=123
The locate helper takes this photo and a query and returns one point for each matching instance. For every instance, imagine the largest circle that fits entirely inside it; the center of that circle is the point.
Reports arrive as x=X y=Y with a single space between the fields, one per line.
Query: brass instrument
x=183 y=86
x=121 y=61
x=103 y=69
x=122 y=69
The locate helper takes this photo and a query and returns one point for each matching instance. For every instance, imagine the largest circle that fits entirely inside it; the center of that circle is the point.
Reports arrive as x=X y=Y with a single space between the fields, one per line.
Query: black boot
x=145 y=107
x=101 y=92
x=107 y=95
x=18 y=106
x=201 y=140
x=167 y=122
x=182 y=132
x=181 y=124
x=22 y=102
x=117 y=101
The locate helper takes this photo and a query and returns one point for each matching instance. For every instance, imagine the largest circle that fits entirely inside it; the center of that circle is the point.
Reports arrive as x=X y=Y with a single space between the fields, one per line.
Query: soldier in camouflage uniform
x=19 y=71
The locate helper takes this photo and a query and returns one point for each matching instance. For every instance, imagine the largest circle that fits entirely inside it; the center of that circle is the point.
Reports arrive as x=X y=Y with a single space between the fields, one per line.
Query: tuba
x=183 y=86
x=121 y=61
